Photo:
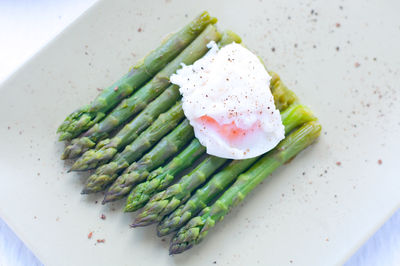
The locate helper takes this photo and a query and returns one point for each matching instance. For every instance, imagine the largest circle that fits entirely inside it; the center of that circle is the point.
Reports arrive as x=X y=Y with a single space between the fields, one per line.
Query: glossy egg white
x=227 y=99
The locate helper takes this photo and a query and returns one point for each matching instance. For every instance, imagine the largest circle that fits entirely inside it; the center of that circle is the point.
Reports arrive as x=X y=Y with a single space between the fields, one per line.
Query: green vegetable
x=138 y=171
x=283 y=97
x=106 y=149
x=197 y=228
x=139 y=100
x=109 y=172
x=168 y=200
x=162 y=177
x=88 y=115
x=292 y=117
x=228 y=37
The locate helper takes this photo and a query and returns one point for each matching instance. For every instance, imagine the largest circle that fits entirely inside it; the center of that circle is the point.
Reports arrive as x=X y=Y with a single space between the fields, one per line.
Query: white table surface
x=26 y=26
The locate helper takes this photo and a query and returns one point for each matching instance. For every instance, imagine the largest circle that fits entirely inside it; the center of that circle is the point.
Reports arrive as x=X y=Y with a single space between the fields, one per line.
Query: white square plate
x=312 y=211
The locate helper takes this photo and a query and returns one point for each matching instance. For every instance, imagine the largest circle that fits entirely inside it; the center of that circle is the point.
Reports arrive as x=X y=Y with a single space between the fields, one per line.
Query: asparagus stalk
x=228 y=37
x=161 y=178
x=109 y=172
x=168 y=200
x=283 y=97
x=88 y=115
x=106 y=149
x=139 y=170
x=197 y=228
x=139 y=100
x=292 y=117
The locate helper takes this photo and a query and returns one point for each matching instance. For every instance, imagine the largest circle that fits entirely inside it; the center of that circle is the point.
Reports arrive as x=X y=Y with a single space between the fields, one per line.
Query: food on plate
x=208 y=126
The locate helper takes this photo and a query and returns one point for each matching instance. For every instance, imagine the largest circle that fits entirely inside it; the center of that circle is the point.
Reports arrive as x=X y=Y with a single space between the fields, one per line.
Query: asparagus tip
x=159 y=234
x=65 y=136
x=66 y=154
x=127 y=208
x=109 y=198
x=62 y=137
x=76 y=167
x=137 y=224
x=142 y=221
x=177 y=248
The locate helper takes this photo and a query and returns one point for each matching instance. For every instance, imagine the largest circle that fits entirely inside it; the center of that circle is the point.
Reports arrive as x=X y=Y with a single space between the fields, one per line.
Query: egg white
x=231 y=86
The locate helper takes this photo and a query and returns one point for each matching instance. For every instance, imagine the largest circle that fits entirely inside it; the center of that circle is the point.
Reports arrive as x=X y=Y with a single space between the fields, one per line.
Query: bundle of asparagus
x=145 y=158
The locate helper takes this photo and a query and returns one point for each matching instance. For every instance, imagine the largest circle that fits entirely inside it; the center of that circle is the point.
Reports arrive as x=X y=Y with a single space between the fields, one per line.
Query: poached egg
x=227 y=99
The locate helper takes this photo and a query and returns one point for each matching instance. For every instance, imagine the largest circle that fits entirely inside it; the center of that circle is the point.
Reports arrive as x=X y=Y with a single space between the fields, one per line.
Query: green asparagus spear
x=197 y=228
x=139 y=100
x=134 y=174
x=168 y=200
x=228 y=37
x=292 y=117
x=89 y=115
x=108 y=173
x=160 y=178
x=106 y=149
x=283 y=97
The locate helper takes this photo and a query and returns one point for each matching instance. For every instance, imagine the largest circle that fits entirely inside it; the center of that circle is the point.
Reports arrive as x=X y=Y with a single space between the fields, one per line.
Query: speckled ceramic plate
x=341 y=58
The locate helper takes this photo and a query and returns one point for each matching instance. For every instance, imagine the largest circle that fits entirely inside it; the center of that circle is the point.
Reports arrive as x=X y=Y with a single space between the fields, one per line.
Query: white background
x=26 y=26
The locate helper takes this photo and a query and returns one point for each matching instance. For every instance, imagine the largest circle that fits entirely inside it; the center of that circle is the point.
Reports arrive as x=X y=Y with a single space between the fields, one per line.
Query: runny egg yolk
x=231 y=132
